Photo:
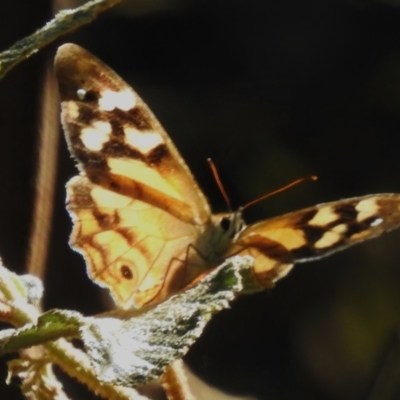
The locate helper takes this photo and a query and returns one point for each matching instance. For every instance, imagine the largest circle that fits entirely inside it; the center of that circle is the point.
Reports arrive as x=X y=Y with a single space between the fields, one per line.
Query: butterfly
x=140 y=219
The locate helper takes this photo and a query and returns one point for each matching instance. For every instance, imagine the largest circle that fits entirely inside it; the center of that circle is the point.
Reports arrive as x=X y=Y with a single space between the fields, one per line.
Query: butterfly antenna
x=296 y=182
x=219 y=183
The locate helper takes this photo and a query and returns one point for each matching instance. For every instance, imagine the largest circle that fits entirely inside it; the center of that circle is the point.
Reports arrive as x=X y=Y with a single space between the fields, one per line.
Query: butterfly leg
x=194 y=264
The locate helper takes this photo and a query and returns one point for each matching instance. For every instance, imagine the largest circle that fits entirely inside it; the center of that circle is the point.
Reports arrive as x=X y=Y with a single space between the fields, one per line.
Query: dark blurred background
x=272 y=91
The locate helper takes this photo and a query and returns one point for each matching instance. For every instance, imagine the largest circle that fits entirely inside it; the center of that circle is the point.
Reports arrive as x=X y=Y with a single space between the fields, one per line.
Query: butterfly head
x=227 y=228
x=219 y=236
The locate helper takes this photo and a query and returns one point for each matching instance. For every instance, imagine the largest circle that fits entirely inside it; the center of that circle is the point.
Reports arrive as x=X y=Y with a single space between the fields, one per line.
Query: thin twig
x=175 y=382
x=45 y=179
x=65 y=21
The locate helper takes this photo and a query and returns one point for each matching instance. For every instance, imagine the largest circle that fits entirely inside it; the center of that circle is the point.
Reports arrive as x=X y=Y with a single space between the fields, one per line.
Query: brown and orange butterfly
x=141 y=221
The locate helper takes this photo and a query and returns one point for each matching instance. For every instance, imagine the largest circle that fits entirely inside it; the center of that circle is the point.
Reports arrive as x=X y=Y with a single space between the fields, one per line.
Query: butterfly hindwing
x=135 y=264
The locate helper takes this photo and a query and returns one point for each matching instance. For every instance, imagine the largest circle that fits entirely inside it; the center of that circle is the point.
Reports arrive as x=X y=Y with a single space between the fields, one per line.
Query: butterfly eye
x=225 y=223
x=126 y=272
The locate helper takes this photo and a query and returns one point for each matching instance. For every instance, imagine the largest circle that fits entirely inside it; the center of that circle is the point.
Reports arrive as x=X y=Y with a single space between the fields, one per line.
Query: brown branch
x=65 y=21
x=45 y=178
x=175 y=382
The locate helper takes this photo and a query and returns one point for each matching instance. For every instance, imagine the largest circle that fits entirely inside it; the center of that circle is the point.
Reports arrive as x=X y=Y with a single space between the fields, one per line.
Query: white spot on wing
x=367 y=208
x=142 y=141
x=377 y=222
x=81 y=93
x=124 y=100
x=94 y=137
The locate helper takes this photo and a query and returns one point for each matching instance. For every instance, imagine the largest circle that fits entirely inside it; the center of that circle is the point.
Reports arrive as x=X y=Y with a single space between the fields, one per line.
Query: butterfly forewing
x=118 y=141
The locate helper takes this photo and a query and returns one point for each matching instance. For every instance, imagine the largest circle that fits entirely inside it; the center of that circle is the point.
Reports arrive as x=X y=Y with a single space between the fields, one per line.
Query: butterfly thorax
x=208 y=249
